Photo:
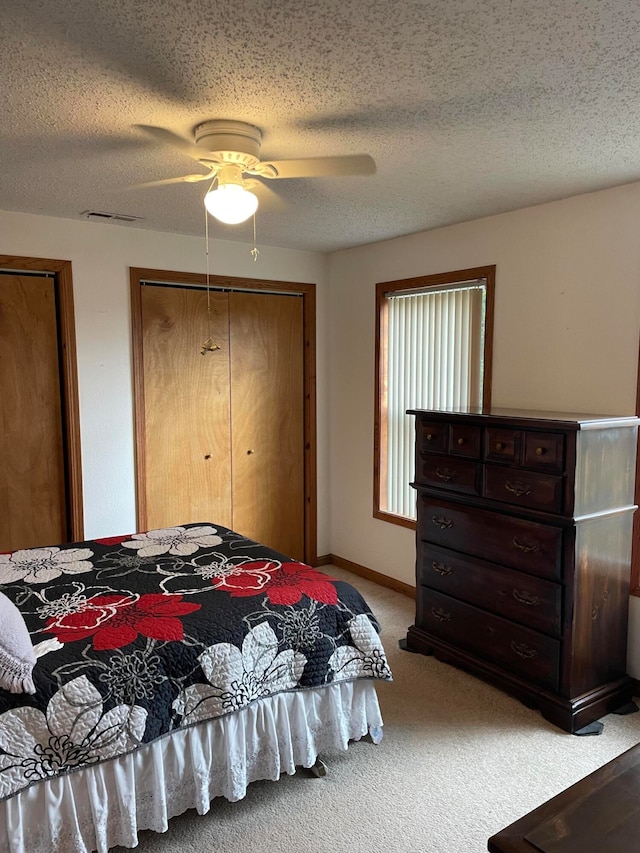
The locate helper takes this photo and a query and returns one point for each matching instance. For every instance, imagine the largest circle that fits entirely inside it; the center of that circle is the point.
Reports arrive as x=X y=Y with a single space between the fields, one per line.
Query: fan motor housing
x=231 y=141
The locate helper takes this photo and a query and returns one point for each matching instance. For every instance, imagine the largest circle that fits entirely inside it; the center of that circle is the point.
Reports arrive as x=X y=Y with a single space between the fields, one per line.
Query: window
x=433 y=351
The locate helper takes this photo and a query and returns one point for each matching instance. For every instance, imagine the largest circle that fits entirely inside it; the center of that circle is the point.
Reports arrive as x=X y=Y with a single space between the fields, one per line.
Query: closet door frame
x=307 y=292
x=63 y=284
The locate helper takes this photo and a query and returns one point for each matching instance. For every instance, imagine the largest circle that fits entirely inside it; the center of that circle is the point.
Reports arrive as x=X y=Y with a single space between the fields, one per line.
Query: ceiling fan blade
x=168 y=137
x=267 y=197
x=322 y=167
x=188 y=179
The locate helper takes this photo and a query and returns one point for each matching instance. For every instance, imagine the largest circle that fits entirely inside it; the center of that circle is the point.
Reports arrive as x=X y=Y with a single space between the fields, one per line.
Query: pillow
x=17 y=657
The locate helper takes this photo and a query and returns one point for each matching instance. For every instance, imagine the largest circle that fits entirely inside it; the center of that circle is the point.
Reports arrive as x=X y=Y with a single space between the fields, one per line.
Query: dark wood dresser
x=523 y=553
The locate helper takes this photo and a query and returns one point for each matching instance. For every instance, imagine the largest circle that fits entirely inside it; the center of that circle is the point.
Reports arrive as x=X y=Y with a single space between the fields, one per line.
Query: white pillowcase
x=17 y=655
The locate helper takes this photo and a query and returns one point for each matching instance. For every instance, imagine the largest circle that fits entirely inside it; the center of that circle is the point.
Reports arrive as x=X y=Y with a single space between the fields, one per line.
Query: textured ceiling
x=469 y=107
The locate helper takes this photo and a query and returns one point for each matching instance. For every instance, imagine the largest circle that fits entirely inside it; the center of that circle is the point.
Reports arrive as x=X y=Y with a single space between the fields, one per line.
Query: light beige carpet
x=459 y=760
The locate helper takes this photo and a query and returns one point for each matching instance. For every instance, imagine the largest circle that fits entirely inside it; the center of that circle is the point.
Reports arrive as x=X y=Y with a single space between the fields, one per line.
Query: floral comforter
x=143 y=634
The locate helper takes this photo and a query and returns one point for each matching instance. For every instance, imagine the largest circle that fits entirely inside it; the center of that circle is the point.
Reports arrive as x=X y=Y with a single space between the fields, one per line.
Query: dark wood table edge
x=511 y=839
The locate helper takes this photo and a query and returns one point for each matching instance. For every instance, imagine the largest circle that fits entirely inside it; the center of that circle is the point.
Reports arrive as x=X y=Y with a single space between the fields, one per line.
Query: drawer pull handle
x=429 y=437
x=442 y=521
x=523 y=650
x=461 y=441
x=499 y=445
x=525 y=597
x=446 y=474
x=441 y=615
x=528 y=549
x=518 y=488
x=441 y=568
x=539 y=451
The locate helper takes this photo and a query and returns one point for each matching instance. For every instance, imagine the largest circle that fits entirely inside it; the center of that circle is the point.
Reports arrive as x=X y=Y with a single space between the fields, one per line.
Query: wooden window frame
x=635 y=547
x=420 y=283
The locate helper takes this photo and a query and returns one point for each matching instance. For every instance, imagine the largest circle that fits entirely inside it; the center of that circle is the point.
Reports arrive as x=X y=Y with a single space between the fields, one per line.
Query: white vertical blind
x=435 y=361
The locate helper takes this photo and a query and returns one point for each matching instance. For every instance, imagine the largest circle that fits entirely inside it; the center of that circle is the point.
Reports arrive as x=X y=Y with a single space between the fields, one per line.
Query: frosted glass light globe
x=231 y=203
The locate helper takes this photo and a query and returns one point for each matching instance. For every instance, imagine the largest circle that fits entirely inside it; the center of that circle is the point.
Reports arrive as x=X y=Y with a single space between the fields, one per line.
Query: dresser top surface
x=571 y=420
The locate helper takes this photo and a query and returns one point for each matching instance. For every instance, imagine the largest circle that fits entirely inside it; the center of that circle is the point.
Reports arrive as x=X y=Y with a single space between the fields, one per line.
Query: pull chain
x=208 y=345
x=255 y=251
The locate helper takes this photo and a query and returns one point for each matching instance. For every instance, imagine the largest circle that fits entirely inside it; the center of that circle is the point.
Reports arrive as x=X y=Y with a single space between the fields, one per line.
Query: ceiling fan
x=230 y=150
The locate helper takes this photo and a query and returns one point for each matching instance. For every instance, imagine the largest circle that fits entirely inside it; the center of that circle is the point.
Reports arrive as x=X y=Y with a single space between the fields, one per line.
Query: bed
x=174 y=666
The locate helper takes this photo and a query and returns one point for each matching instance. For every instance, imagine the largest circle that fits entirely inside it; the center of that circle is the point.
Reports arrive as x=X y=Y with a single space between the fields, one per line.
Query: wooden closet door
x=32 y=461
x=267 y=416
x=186 y=407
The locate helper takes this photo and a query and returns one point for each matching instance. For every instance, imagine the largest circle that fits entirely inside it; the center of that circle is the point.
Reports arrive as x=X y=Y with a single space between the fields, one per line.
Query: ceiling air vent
x=103 y=216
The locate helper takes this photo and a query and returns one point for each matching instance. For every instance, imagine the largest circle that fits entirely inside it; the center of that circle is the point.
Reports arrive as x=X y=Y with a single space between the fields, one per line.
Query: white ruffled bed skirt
x=108 y=804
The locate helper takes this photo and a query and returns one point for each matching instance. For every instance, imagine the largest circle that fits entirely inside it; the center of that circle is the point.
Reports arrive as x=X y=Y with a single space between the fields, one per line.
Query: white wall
x=567 y=316
x=101 y=255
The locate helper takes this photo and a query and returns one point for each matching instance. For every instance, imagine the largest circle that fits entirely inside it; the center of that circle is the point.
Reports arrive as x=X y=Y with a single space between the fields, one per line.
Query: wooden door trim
x=140 y=447
x=308 y=293
x=63 y=281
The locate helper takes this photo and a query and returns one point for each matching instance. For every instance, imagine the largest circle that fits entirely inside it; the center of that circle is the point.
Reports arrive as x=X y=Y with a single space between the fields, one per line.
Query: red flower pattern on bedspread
x=115 y=621
x=284 y=583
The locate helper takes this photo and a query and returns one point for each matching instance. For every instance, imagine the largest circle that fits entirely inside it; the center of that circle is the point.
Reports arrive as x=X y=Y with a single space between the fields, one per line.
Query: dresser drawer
x=431 y=437
x=448 y=472
x=513 y=542
x=520 y=650
x=522 y=598
x=502 y=445
x=464 y=440
x=544 y=451
x=523 y=488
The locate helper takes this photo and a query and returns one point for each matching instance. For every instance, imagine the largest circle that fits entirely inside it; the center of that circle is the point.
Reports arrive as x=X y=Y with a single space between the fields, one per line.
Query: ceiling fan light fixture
x=229 y=150
x=231 y=203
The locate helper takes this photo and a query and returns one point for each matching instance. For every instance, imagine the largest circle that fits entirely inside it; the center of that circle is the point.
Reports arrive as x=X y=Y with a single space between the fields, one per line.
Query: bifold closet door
x=224 y=431
x=267 y=419
x=186 y=407
x=32 y=458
